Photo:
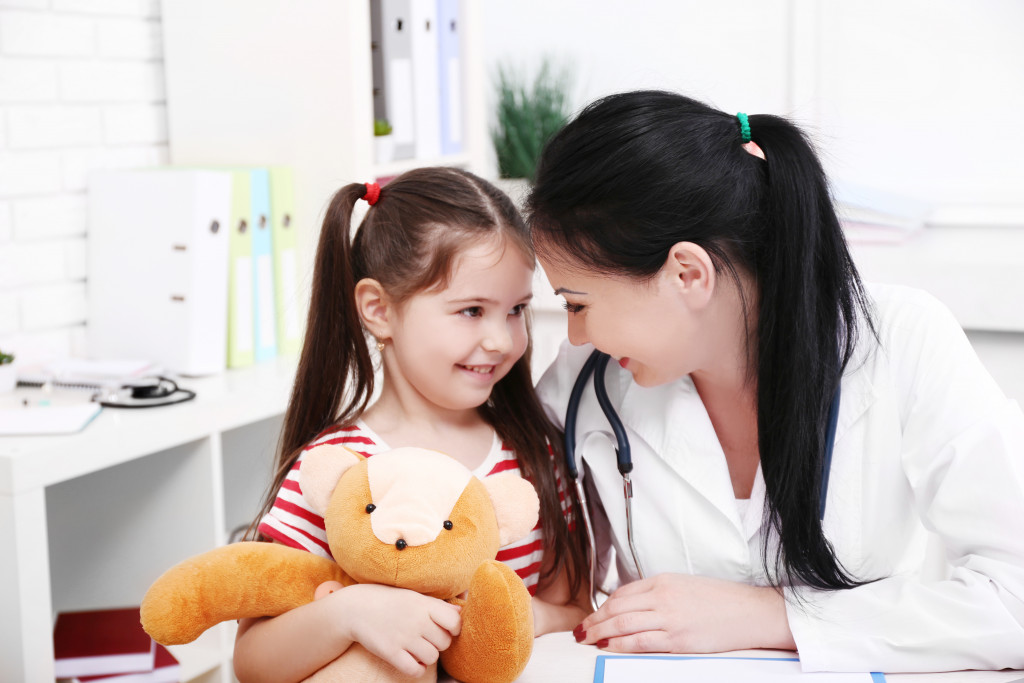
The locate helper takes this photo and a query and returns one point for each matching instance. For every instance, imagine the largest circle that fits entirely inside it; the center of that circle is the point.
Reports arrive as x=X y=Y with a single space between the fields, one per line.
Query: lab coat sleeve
x=963 y=455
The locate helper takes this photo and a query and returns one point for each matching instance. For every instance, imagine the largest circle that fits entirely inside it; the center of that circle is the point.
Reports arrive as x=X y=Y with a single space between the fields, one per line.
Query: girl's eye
x=472 y=312
x=573 y=308
x=517 y=310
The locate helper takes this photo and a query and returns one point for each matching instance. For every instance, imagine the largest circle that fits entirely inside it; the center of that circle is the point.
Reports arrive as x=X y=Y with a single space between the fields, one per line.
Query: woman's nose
x=577 y=332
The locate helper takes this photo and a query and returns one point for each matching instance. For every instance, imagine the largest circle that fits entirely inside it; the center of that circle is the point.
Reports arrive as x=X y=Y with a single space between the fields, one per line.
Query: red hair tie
x=372 y=193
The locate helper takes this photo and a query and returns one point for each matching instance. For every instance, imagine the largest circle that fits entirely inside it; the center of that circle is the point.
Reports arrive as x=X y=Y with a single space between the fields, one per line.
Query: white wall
x=922 y=97
x=919 y=96
x=81 y=87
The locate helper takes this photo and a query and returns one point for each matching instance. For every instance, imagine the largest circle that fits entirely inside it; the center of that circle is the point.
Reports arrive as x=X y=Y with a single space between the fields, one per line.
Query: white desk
x=558 y=658
x=89 y=520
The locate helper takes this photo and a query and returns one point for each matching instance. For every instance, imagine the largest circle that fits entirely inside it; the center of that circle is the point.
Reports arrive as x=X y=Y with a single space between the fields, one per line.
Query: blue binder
x=449 y=76
x=264 y=320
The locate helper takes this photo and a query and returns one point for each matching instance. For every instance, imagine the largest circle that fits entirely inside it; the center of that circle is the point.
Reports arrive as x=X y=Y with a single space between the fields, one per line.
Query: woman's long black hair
x=634 y=174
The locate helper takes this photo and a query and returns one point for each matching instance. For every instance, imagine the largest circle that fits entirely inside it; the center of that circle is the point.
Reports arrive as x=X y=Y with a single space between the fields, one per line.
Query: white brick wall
x=81 y=88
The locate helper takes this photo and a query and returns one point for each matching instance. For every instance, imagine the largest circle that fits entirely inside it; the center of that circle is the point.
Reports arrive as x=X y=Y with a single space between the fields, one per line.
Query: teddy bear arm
x=497 y=628
x=235 y=581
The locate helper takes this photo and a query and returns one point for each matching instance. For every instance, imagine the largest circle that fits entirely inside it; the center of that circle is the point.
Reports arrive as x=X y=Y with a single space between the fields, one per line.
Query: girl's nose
x=498 y=339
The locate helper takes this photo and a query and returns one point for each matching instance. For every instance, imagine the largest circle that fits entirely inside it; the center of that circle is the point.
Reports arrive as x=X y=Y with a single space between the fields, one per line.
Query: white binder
x=426 y=79
x=396 y=45
x=158 y=267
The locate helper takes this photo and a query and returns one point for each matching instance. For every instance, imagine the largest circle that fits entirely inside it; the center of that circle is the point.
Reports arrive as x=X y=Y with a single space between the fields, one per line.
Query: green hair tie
x=744 y=127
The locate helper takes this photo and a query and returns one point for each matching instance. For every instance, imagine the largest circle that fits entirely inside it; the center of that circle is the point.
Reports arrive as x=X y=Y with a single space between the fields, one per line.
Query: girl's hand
x=402 y=627
x=688 y=614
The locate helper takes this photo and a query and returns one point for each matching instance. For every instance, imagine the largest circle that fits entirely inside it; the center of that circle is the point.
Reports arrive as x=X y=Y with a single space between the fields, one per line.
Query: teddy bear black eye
x=371 y=507
x=448 y=524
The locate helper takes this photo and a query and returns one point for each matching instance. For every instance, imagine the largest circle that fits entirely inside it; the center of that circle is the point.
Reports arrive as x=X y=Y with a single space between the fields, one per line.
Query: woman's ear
x=374 y=306
x=691 y=272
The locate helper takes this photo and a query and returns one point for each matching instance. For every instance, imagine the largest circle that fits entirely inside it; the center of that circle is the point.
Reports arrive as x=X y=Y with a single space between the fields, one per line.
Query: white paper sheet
x=674 y=668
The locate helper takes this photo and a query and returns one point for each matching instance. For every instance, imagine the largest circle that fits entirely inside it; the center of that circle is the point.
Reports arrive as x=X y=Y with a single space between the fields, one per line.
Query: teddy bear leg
x=497 y=628
x=358 y=665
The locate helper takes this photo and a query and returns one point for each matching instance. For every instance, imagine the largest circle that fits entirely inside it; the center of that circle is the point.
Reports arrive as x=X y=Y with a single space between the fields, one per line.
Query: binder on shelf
x=166 y=669
x=287 y=304
x=106 y=641
x=158 y=267
x=449 y=76
x=426 y=83
x=396 y=47
x=380 y=102
x=240 y=326
x=265 y=328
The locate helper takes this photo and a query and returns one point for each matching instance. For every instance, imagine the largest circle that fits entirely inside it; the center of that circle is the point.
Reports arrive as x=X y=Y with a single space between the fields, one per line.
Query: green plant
x=381 y=127
x=6 y=358
x=529 y=113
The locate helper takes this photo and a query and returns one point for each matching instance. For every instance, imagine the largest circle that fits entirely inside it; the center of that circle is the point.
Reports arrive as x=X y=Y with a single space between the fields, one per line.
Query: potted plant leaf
x=529 y=112
x=383 y=143
x=8 y=373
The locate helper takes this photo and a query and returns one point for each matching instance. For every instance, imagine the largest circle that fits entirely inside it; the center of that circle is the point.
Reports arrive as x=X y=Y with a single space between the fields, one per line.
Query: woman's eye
x=517 y=310
x=572 y=308
x=472 y=312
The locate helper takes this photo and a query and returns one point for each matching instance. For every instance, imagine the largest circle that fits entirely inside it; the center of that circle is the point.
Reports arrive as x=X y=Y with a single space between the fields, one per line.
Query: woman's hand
x=688 y=614
x=400 y=626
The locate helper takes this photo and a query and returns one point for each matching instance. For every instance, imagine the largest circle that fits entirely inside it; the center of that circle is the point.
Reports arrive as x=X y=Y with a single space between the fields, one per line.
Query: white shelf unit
x=90 y=520
x=278 y=82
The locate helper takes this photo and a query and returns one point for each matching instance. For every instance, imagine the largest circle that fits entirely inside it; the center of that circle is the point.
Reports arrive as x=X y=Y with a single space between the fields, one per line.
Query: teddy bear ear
x=515 y=505
x=321 y=469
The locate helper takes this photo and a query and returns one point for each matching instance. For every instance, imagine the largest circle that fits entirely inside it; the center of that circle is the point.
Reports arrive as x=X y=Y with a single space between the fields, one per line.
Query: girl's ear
x=691 y=272
x=321 y=469
x=374 y=307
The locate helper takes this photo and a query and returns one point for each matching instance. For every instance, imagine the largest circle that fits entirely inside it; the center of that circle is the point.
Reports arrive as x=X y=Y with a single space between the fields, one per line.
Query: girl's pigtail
x=810 y=296
x=335 y=364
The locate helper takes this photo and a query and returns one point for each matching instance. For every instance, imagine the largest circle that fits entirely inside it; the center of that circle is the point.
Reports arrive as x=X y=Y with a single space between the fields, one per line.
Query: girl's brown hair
x=408 y=242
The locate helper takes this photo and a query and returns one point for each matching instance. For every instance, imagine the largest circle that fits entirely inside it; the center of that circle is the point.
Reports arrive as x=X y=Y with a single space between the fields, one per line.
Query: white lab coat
x=926 y=494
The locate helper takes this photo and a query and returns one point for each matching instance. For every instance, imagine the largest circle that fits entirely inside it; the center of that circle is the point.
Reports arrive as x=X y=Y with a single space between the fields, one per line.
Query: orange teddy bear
x=387 y=521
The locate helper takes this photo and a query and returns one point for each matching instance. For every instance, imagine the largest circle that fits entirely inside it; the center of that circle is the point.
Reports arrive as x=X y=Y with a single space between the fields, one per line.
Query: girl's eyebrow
x=564 y=290
x=485 y=300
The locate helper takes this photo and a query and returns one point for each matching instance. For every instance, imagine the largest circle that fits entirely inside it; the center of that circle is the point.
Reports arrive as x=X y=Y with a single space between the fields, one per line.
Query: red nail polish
x=579 y=634
x=601 y=644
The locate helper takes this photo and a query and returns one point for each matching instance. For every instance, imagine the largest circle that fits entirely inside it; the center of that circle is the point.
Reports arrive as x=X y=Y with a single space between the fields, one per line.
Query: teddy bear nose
x=401 y=544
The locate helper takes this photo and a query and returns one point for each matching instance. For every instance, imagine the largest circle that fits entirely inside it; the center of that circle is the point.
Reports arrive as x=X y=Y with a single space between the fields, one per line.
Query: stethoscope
x=596 y=365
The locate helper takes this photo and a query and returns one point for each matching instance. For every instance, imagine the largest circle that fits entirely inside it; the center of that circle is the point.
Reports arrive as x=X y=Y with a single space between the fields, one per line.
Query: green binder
x=241 y=328
x=288 y=304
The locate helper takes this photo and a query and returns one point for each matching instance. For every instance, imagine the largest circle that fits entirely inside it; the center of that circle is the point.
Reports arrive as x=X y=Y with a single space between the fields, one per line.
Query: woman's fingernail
x=579 y=634
x=602 y=644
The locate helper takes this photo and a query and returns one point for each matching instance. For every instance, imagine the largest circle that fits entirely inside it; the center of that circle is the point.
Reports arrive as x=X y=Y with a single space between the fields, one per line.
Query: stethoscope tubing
x=596 y=365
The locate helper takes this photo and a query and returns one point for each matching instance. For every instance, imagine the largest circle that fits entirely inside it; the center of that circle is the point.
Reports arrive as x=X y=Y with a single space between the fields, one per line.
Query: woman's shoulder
x=907 y=319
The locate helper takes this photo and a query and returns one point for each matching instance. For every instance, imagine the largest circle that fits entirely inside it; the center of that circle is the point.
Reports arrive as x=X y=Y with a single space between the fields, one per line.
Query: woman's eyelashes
x=573 y=308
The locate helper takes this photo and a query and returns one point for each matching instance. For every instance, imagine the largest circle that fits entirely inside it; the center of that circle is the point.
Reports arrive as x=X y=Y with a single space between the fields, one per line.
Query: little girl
x=439 y=274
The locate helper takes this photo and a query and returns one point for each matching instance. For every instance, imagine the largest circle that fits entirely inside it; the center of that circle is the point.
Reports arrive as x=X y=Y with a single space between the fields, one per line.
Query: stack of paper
x=870 y=214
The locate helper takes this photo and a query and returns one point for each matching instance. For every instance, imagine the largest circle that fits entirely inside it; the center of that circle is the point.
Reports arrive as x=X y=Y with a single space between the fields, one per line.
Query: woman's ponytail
x=810 y=298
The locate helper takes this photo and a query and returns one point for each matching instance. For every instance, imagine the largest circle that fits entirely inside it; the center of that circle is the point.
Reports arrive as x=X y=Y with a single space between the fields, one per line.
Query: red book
x=99 y=642
x=165 y=670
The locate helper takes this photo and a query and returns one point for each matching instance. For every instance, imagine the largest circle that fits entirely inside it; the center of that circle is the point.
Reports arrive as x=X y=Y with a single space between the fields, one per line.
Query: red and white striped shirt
x=292 y=522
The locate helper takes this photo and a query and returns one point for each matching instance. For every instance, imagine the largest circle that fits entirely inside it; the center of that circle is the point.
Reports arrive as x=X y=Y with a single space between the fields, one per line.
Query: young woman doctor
x=701 y=251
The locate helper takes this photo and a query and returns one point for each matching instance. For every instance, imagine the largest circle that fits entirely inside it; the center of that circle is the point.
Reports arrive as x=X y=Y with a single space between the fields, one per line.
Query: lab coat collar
x=674 y=423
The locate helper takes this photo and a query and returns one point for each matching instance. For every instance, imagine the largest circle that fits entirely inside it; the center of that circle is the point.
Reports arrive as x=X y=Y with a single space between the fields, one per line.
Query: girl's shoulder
x=356 y=436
